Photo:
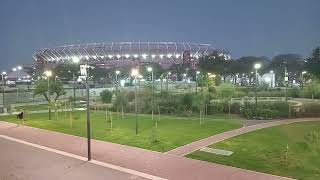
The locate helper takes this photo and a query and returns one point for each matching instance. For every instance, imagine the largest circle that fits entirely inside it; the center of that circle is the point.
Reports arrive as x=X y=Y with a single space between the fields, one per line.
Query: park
x=278 y=127
x=159 y=90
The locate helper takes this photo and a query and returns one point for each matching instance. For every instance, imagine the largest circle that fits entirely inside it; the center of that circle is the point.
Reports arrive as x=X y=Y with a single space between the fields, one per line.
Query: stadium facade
x=106 y=55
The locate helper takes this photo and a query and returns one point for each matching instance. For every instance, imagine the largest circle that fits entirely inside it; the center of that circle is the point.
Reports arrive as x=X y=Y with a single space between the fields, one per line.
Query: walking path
x=189 y=148
x=148 y=162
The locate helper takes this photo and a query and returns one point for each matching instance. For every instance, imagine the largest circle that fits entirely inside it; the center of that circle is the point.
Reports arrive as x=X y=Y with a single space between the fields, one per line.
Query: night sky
x=244 y=27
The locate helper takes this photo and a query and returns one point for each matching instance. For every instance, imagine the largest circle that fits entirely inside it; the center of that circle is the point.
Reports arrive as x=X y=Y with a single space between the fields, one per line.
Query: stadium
x=106 y=55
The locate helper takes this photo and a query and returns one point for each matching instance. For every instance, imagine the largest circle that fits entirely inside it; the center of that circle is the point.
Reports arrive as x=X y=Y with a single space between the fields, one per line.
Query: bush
x=222 y=107
x=106 y=96
x=265 y=110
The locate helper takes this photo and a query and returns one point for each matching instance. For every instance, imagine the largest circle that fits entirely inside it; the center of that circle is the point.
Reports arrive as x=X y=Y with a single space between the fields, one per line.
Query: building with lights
x=107 y=55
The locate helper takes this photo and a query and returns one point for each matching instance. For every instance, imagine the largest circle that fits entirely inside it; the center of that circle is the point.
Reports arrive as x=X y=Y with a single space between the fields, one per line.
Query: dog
x=20 y=118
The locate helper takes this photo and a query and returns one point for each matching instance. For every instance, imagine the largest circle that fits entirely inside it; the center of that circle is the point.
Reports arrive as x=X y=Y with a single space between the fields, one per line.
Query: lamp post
x=88 y=113
x=49 y=74
x=17 y=95
x=75 y=60
x=3 y=83
x=152 y=91
x=19 y=69
x=302 y=78
x=117 y=73
x=168 y=74
x=135 y=73
x=256 y=67
x=286 y=80
x=197 y=74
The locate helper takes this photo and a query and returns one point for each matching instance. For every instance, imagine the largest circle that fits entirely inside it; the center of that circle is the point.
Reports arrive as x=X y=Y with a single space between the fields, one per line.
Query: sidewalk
x=189 y=148
x=154 y=163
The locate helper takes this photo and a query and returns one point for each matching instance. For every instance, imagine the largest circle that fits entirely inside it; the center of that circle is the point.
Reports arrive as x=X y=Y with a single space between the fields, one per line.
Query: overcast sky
x=244 y=27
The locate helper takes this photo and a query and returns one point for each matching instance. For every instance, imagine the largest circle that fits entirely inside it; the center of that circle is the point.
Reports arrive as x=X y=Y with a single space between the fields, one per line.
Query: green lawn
x=172 y=131
x=266 y=151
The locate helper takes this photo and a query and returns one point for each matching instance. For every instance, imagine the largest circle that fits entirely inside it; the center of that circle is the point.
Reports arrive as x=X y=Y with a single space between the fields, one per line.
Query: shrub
x=106 y=96
x=187 y=100
x=222 y=107
x=265 y=110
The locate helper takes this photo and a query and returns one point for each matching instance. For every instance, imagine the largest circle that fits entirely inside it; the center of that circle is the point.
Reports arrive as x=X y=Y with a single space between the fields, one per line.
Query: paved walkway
x=20 y=161
x=153 y=163
x=189 y=148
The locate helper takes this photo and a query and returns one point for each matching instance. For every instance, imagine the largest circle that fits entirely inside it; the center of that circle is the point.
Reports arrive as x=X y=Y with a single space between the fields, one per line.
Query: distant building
x=108 y=55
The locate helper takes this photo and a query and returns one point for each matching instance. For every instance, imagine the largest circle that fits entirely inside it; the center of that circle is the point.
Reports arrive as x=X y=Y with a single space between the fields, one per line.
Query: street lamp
x=168 y=74
x=135 y=73
x=197 y=74
x=152 y=92
x=49 y=74
x=117 y=73
x=256 y=67
x=3 y=83
x=302 y=78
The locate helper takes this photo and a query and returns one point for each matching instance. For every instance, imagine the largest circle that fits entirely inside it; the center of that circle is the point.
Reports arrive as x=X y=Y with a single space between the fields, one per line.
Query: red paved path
x=154 y=163
x=189 y=148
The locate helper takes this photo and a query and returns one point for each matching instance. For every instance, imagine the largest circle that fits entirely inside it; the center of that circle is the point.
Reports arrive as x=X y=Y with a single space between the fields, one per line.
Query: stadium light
x=118 y=56
x=161 y=56
x=14 y=69
x=19 y=67
x=75 y=59
x=169 y=55
x=127 y=55
x=153 y=56
x=177 y=55
x=198 y=72
x=117 y=72
x=110 y=56
x=149 y=69
x=136 y=56
x=4 y=73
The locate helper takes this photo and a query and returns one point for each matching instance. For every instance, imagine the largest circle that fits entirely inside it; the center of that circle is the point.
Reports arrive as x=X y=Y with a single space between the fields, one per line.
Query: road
x=24 y=162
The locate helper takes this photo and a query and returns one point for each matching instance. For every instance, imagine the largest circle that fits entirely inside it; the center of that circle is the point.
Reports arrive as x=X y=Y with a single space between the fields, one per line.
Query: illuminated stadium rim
x=125 y=51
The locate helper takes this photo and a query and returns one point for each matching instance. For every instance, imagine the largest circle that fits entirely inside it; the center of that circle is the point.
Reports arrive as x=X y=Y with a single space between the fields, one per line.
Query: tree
x=121 y=101
x=226 y=91
x=56 y=91
x=293 y=62
x=199 y=102
x=313 y=63
x=66 y=71
x=106 y=96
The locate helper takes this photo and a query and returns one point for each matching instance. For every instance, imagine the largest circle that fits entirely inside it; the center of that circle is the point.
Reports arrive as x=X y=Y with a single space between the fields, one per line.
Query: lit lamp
x=135 y=73
x=197 y=74
x=3 y=83
x=256 y=67
x=48 y=75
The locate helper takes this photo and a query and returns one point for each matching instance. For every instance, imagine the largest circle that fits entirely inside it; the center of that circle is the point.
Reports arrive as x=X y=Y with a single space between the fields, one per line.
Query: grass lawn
x=266 y=151
x=172 y=131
